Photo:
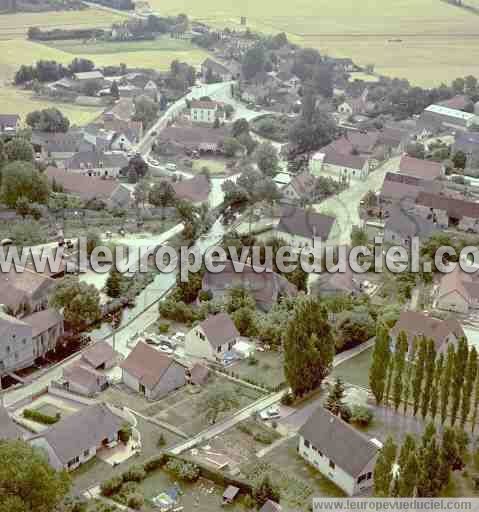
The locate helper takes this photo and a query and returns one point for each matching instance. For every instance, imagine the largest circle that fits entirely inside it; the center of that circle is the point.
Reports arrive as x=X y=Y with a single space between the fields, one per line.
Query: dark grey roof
x=8 y=429
x=216 y=67
x=219 y=329
x=87 y=428
x=407 y=224
x=93 y=158
x=306 y=223
x=9 y=119
x=345 y=446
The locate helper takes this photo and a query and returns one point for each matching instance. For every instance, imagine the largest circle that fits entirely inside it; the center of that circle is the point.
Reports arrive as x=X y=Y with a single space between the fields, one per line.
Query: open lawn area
x=215 y=166
x=435 y=41
x=15 y=26
x=156 y=54
x=356 y=369
x=268 y=370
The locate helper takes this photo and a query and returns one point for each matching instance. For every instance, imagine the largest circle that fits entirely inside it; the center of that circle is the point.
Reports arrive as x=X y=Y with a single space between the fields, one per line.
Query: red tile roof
x=425 y=169
x=455 y=208
x=100 y=353
x=196 y=189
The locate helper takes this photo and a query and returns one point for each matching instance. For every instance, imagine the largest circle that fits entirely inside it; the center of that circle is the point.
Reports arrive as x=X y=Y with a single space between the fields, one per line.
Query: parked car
x=272 y=413
x=151 y=341
x=166 y=349
x=171 y=167
x=152 y=161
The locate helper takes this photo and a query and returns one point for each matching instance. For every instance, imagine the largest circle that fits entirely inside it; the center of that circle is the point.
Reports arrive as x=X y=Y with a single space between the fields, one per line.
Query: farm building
x=436 y=117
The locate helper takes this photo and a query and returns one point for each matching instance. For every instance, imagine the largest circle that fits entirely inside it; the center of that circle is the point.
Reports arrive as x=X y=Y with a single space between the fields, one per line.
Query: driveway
x=345 y=206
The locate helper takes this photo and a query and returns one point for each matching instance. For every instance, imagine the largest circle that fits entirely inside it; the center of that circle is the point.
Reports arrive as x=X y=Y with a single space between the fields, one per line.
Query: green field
x=438 y=41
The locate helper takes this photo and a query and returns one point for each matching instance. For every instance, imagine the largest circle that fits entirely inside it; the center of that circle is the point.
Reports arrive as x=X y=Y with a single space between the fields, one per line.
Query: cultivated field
x=438 y=41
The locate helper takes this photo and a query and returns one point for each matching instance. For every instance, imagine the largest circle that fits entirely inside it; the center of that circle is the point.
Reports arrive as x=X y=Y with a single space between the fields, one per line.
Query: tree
x=264 y=491
x=446 y=382
x=48 y=120
x=93 y=240
x=162 y=194
x=468 y=387
x=459 y=160
x=141 y=192
x=430 y=366
x=409 y=374
x=27 y=482
x=416 y=150
x=475 y=408
x=253 y=61
x=79 y=65
x=428 y=483
x=231 y=146
x=267 y=158
x=308 y=346
x=401 y=350
x=113 y=284
x=407 y=448
x=458 y=85
x=460 y=364
x=217 y=400
x=245 y=321
x=19 y=149
x=114 y=90
x=335 y=400
x=80 y=302
x=381 y=356
x=359 y=237
x=435 y=390
x=408 y=476
x=22 y=180
x=146 y=111
x=419 y=374
x=239 y=127
x=383 y=470
x=137 y=168
x=307 y=136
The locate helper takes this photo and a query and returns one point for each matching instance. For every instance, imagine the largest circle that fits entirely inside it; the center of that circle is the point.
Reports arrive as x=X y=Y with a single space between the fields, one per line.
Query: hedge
x=39 y=417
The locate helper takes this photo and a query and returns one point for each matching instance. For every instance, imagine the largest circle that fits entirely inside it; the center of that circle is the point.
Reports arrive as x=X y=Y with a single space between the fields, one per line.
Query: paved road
x=345 y=206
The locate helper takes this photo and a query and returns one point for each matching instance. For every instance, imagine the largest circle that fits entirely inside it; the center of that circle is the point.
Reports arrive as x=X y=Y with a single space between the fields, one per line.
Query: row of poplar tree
x=416 y=378
x=420 y=468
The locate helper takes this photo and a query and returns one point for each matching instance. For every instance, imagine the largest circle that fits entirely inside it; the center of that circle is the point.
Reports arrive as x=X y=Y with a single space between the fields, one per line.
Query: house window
x=72 y=462
x=8 y=349
x=218 y=349
x=306 y=443
x=361 y=478
x=24 y=341
x=332 y=465
x=86 y=453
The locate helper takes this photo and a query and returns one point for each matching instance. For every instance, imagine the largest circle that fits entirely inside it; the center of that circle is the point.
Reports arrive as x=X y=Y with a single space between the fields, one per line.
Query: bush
x=252 y=360
x=287 y=399
x=163 y=327
x=134 y=474
x=154 y=463
x=184 y=470
x=39 y=417
x=135 y=501
x=361 y=415
x=248 y=502
x=125 y=433
x=112 y=486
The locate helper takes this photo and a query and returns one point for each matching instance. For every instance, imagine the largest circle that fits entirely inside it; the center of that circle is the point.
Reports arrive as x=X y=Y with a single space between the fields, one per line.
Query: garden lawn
x=269 y=370
x=214 y=166
x=356 y=369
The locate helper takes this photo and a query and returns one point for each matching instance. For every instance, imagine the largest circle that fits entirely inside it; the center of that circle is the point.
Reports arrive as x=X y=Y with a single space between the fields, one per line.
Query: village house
x=417 y=325
x=419 y=168
x=203 y=111
x=152 y=373
x=265 y=287
x=338 y=451
x=176 y=140
x=198 y=375
x=24 y=291
x=339 y=166
x=86 y=76
x=458 y=291
x=83 y=380
x=151 y=90
x=339 y=283
x=299 y=228
x=397 y=187
x=301 y=187
x=97 y=163
x=27 y=339
x=458 y=102
x=448 y=211
x=59 y=146
x=271 y=506
x=355 y=106
x=111 y=192
x=402 y=224
x=9 y=124
x=101 y=356
x=76 y=439
x=218 y=70
x=437 y=117
x=212 y=338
